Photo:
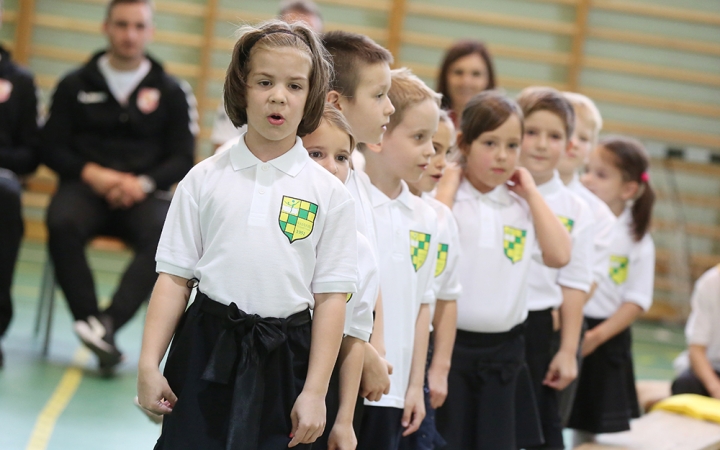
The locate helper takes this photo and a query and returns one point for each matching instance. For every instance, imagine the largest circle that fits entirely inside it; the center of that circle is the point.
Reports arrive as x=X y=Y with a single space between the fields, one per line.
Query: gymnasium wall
x=653 y=67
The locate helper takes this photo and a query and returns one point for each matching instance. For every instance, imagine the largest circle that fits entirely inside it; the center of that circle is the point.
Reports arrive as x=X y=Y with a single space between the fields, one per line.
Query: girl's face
x=544 y=143
x=604 y=179
x=581 y=144
x=466 y=77
x=277 y=88
x=441 y=141
x=492 y=157
x=330 y=147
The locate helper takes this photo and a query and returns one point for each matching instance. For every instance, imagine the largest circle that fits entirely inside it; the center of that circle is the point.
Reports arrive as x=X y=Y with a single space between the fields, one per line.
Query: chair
x=46 y=303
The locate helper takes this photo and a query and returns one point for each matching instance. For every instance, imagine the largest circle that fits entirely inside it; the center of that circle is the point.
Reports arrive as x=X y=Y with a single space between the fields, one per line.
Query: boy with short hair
x=359 y=91
x=549 y=123
x=406 y=231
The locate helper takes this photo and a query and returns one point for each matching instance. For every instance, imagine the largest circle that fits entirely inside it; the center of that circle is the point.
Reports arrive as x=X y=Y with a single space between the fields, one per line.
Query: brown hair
x=631 y=159
x=540 y=98
x=462 y=49
x=335 y=118
x=486 y=112
x=273 y=34
x=299 y=6
x=114 y=3
x=405 y=91
x=350 y=52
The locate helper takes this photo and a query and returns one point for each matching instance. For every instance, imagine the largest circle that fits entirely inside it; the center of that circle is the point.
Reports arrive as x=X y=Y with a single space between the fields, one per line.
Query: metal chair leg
x=47 y=288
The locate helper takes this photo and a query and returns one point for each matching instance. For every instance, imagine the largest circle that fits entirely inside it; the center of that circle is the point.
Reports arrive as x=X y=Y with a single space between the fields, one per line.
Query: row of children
x=317 y=283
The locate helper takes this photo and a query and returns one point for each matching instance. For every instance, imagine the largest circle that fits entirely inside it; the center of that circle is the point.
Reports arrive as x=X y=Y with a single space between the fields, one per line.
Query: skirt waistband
x=220 y=310
x=488 y=339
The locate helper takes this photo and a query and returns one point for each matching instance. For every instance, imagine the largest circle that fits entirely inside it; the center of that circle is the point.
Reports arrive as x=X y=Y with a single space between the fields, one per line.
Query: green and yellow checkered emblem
x=349 y=296
x=567 y=222
x=441 y=259
x=297 y=218
x=514 y=243
x=419 y=246
x=618 y=268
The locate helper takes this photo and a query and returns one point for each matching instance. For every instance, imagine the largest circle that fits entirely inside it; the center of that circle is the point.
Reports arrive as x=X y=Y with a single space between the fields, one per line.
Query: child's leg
x=381 y=428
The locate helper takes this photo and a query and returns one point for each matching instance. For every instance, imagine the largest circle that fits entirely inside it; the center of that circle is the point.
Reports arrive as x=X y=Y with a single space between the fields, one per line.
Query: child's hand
x=308 y=419
x=438 y=384
x=154 y=393
x=376 y=373
x=342 y=437
x=591 y=342
x=414 y=412
x=449 y=183
x=522 y=183
x=562 y=370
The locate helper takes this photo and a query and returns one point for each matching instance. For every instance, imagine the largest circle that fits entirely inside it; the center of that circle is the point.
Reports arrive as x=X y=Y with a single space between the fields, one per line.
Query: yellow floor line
x=45 y=424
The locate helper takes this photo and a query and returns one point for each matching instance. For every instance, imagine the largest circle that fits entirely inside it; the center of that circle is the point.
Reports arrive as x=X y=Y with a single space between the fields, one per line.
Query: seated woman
x=699 y=367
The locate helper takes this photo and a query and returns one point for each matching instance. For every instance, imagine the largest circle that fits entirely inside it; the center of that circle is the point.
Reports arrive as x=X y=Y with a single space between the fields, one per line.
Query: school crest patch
x=349 y=296
x=514 y=243
x=6 y=88
x=567 y=222
x=419 y=247
x=148 y=100
x=441 y=259
x=297 y=218
x=618 y=268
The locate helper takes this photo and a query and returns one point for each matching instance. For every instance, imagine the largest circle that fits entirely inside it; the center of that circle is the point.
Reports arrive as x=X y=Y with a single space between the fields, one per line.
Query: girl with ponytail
x=617 y=172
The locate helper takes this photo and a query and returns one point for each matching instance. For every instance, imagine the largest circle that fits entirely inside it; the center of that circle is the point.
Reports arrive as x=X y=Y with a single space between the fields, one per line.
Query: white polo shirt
x=360 y=306
x=359 y=185
x=497 y=237
x=544 y=282
x=406 y=230
x=265 y=236
x=447 y=280
x=630 y=275
x=604 y=224
x=703 y=324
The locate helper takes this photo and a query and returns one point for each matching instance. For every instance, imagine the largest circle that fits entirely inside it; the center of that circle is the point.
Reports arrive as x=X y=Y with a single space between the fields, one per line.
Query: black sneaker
x=98 y=335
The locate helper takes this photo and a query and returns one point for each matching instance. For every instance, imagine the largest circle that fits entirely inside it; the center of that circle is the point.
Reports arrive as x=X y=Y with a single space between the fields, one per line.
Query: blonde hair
x=587 y=110
x=405 y=91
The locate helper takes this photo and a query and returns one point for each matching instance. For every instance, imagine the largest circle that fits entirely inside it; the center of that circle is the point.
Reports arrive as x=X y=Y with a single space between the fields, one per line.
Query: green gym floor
x=62 y=403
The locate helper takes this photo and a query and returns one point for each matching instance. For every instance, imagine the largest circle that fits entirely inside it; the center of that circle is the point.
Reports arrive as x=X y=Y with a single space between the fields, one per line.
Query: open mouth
x=498 y=170
x=436 y=177
x=276 y=119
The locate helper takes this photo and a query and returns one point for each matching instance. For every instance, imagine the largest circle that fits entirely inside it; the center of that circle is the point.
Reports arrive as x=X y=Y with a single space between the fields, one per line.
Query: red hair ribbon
x=645 y=177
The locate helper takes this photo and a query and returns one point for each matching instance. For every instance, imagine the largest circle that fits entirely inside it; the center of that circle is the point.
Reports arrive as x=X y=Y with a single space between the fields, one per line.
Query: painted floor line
x=45 y=424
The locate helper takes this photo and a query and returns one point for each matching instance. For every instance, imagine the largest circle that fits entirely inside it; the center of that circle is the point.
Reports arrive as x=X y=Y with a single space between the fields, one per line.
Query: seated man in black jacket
x=120 y=133
x=18 y=156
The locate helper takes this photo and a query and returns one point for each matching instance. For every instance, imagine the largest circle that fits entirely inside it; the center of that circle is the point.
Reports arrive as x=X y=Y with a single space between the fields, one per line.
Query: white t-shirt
x=265 y=236
x=544 y=282
x=703 y=325
x=630 y=275
x=122 y=83
x=604 y=224
x=497 y=237
x=447 y=280
x=223 y=129
x=360 y=306
x=406 y=230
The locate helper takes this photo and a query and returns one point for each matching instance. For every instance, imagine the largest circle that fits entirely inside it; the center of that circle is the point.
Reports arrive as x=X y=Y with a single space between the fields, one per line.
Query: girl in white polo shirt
x=500 y=215
x=617 y=173
x=262 y=231
x=331 y=146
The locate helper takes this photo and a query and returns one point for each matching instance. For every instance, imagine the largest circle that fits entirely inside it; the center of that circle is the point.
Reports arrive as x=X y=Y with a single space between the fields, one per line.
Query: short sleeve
x=639 y=286
x=578 y=274
x=604 y=233
x=426 y=273
x=336 y=251
x=705 y=299
x=180 y=246
x=359 y=322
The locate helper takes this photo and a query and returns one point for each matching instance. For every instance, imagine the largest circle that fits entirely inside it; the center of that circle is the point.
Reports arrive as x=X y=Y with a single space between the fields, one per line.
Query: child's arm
x=376 y=370
x=350 y=361
x=704 y=370
x=445 y=325
x=563 y=367
x=623 y=318
x=308 y=413
x=167 y=304
x=377 y=339
x=449 y=184
x=552 y=237
x=414 y=412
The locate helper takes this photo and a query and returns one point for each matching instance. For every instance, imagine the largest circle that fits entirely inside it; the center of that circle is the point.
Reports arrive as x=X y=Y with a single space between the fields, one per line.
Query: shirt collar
x=290 y=162
x=552 y=186
x=379 y=198
x=501 y=194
